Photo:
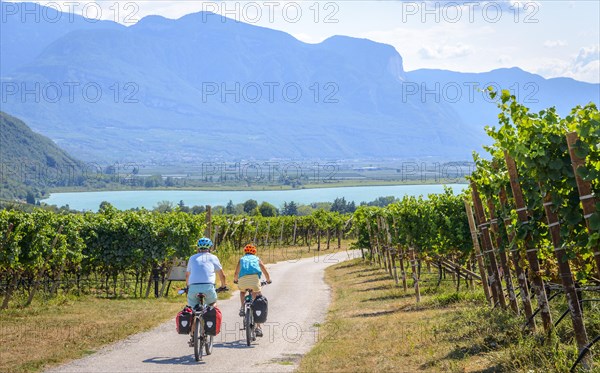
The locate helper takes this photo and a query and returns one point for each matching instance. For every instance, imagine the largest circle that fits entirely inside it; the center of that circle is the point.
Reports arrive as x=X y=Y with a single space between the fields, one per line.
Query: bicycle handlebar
x=218 y=290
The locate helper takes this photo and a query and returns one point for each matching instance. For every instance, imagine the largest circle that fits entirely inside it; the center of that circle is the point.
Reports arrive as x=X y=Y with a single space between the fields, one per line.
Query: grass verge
x=374 y=326
x=65 y=328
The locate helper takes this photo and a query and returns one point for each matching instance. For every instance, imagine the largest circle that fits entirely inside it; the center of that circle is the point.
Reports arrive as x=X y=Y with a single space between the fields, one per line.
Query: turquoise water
x=148 y=199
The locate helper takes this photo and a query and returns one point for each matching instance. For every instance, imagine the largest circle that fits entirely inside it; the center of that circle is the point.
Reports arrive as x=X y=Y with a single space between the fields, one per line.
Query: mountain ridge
x=197 y=83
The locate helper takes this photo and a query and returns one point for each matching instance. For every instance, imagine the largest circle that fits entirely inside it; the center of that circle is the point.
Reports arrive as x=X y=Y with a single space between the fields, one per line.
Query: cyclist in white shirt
x=201 y=274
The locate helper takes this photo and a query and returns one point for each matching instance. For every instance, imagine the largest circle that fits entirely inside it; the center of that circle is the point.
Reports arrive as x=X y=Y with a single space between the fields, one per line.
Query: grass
x=374 y=326
x=66 y=328
x=54 y=331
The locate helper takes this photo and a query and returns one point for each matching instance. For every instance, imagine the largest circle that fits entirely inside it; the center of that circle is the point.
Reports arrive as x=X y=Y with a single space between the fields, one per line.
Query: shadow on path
x=234 y=344
x=182 y=360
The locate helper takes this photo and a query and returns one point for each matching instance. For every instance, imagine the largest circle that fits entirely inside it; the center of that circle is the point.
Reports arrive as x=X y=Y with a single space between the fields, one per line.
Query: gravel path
x=298 y=301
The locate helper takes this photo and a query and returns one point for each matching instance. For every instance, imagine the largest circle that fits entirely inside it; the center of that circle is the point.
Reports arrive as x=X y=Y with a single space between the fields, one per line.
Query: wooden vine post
x=391 y=254
x=402 y=270
x=478 y=254
x=516 y=259
x=381 y=244
x=566 y=276
x=503 y=257
x=371 y=245
x=413 y=264
x=531 y=252
x=586 y=196
x=295 y=226
x=488 y=248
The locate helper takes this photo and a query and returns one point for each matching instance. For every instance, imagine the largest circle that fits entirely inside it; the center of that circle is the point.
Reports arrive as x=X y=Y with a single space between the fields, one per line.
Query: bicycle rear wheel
x=209 y=344
x=249 y=326
x=198 y=341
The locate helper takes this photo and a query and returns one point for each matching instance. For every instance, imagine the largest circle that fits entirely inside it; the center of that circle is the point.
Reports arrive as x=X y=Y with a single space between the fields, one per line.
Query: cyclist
x=247 y=275
x=200 y=275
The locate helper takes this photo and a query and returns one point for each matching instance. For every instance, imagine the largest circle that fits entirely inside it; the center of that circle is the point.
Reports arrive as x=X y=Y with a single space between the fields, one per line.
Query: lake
x=148 y=199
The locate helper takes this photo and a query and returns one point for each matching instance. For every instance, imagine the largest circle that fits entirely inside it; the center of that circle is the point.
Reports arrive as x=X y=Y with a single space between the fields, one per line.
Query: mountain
x=204 y=87
x=28 y=28
x=475 y=108
x=30 y=162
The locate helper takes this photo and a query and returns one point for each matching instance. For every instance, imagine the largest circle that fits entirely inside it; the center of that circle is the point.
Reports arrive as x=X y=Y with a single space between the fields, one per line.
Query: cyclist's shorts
x=249 y=282
x=207 y=289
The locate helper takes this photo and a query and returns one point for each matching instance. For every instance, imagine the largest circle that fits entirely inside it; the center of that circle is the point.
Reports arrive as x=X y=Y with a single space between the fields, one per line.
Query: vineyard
x=529 y=222
x=114 y=253
x=527 y=231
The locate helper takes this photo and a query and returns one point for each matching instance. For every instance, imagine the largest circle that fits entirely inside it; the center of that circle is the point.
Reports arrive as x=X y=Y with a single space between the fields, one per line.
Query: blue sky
x=551 y=38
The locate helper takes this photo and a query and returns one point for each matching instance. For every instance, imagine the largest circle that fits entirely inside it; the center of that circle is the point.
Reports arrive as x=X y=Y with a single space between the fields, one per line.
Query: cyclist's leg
x=242 y=297
x=192 y=301
x=192 y=298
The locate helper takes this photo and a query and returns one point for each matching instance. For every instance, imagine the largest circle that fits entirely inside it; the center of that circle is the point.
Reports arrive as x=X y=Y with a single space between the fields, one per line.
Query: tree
x=342 y=206
x=230 y=208
x=105 y=206
x=30 y=197
x=267 y=209
x=383 y=201
x=197 y=210
x=164 y=206
x=290 y=209
x=339 y=205
x=250 y=205
x=183 y=207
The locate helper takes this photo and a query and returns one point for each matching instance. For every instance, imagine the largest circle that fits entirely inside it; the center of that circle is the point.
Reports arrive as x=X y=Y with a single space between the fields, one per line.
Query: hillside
x=31 y=162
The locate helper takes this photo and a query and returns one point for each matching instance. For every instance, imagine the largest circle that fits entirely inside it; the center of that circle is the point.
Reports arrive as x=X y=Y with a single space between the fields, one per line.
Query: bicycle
x=200 y=340
x=248 y=320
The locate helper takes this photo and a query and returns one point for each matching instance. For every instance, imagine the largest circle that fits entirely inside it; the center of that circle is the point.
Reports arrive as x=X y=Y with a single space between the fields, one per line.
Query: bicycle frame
x=200 y=340
x=248 y=321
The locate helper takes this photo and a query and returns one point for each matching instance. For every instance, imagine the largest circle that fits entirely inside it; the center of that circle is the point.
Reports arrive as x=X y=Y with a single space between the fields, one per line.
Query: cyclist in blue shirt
x=247 y=275
x=200 y=276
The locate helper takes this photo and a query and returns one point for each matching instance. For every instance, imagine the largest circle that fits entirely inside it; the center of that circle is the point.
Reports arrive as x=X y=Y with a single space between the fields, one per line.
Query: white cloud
x=585 y=66
x=555 y=43
x=445 y=51
x=587 y=55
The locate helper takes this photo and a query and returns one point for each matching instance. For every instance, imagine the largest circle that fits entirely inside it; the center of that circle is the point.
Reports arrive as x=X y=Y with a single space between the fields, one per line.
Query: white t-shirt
x=202 y=268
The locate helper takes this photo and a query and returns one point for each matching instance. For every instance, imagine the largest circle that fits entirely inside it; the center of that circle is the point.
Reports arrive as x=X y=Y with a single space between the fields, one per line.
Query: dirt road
x=298 y=301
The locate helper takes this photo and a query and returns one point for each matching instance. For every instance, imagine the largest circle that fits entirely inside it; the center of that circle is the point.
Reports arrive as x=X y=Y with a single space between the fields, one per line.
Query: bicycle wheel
x=209 y=344
x=249 y=326
x=198 y=341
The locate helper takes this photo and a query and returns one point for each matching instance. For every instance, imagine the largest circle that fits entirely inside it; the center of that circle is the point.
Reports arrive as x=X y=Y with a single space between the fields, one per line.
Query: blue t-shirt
x=202 y=268
x=250 y=265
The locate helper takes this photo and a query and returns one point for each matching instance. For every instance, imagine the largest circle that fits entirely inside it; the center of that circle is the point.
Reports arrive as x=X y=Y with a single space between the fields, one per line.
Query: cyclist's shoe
x=242 y=312
x=191 y=342
x=259 y=332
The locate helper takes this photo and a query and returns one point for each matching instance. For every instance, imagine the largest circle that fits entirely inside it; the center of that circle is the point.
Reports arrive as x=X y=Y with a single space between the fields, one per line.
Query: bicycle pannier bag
x=183 y=321
x=260 y=308
x=212 y=320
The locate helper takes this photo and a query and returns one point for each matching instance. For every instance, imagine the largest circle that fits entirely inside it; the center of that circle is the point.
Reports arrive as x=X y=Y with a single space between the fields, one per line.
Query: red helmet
x=250 y=249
